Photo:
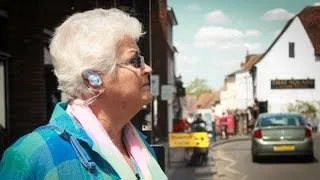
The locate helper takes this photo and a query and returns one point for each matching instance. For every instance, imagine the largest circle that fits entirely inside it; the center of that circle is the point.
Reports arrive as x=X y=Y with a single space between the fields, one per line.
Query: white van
x=207 y=116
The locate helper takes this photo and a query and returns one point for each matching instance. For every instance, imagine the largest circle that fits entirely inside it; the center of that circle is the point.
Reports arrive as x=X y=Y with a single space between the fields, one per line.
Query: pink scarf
x=103 y=145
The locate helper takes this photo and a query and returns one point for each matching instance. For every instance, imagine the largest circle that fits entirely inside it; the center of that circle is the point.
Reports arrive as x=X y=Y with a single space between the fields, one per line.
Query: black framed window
x=291 y=50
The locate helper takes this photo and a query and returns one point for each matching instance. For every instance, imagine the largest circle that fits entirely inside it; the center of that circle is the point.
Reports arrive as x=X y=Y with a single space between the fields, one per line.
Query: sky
x=214 y=36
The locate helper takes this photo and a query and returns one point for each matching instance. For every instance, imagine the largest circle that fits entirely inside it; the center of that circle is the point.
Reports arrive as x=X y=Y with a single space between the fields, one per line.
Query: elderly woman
x=105 y=82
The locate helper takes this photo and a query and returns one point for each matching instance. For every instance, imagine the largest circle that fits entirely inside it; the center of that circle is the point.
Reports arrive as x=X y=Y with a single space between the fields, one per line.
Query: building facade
x=289 y=69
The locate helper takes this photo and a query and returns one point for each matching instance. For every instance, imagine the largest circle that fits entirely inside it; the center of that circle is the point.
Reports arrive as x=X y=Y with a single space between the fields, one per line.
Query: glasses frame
x=137 y=62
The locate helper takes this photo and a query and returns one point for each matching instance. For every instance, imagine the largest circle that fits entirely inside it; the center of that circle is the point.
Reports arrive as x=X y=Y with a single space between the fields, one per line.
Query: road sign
x=155 y=85
x=167 y=92
x=196 y=139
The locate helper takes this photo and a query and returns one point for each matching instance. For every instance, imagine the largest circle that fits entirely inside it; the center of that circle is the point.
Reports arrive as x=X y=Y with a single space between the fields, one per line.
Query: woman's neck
x=112 y=121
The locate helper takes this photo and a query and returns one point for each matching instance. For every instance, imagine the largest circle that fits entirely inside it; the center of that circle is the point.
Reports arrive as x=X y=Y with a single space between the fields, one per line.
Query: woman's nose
x=147 y=69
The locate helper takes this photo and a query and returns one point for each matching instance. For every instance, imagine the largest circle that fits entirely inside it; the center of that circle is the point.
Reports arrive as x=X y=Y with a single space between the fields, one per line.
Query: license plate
x=283 y=148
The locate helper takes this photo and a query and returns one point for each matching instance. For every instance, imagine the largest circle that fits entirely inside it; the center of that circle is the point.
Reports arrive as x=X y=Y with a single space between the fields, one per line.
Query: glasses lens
x=137 y=62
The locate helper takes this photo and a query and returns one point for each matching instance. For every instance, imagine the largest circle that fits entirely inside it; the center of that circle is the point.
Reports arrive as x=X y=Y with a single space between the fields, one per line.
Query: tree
x=197 y=86
x=308 y=110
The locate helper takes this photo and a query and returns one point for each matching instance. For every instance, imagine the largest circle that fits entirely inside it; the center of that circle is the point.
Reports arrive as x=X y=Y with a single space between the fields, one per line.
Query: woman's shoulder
x=37 y=144
x=37 y=152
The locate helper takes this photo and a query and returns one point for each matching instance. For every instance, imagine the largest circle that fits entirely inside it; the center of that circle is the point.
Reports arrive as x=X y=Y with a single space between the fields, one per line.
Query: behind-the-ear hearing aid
x=93 y=78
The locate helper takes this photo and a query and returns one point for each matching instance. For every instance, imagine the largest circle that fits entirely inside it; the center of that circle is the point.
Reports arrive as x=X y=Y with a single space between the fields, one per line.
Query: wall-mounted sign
x=293 y=84
x=167 y=92
x=155 y=84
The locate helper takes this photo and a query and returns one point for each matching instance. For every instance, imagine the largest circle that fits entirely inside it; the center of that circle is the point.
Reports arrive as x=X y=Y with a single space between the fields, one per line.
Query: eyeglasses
x=137 y=62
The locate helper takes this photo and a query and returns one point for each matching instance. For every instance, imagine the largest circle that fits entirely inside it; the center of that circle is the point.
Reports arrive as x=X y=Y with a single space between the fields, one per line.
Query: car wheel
x=255 y=158
x=309 y=158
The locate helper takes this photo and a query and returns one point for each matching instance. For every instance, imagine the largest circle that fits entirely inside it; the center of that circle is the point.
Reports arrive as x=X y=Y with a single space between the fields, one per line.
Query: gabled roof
x=310 y=19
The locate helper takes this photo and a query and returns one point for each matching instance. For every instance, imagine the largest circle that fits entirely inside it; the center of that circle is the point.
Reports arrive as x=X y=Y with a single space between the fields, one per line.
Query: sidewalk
x=230 y=139
x=177 y=168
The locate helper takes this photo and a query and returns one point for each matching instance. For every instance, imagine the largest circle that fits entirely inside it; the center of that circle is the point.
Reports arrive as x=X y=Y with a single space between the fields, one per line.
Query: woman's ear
x=92 y=78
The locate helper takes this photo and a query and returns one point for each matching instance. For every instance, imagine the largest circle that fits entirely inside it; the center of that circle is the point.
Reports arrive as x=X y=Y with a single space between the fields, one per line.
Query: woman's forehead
x=127 y=44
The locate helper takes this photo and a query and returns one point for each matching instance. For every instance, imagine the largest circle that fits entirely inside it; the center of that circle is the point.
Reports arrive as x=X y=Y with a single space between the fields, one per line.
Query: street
x=233 y=162
x=178 y=168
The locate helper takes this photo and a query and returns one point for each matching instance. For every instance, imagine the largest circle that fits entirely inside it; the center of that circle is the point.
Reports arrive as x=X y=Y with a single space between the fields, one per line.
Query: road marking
x=232 y=163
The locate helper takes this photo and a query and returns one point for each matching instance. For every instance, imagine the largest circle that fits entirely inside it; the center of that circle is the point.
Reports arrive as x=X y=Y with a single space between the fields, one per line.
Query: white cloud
x=214 y=34
x=278 y=14
x=187 y=60
x=193 y=7
x=220 y=38
x=252 y=33
x=216 y=17
x=316 y=4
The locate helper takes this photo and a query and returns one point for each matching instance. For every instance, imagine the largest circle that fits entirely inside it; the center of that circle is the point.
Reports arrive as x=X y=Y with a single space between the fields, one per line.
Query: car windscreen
x=281 y=121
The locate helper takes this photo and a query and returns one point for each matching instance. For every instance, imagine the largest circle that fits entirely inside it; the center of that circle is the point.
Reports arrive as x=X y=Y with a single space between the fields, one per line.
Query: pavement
x=177 y=168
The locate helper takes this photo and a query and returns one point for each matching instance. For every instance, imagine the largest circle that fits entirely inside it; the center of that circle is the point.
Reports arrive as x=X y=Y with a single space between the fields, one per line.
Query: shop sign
x=293 y=84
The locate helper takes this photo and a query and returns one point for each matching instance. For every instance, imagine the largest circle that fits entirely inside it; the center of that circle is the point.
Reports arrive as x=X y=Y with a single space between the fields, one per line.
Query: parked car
x=279 y=134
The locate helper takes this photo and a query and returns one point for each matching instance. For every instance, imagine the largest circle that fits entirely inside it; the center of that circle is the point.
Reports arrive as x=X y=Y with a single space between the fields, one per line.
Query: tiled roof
x=310 y=18
x=250 y=61
x=205 y=100
x=190 y=101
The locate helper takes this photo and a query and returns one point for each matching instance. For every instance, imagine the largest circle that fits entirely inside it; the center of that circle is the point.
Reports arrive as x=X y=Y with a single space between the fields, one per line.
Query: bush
x=307 y=109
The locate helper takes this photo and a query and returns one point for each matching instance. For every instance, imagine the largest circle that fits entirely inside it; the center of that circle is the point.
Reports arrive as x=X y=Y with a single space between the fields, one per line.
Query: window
x=281 y=121
x=291 y=49
x=2 y=96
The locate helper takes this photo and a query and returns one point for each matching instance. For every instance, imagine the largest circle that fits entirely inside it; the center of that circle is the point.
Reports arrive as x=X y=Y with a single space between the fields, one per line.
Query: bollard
x=160 y=154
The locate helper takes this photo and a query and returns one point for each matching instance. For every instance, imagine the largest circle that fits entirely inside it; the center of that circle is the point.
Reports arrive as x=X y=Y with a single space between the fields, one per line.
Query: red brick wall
x=159 y=58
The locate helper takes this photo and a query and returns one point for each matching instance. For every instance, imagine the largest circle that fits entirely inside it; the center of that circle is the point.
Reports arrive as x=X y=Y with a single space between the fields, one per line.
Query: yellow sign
x=196 y=139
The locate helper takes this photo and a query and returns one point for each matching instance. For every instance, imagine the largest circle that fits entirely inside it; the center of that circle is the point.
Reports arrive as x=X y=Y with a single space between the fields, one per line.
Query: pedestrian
x=224 y=125
x=105 y=83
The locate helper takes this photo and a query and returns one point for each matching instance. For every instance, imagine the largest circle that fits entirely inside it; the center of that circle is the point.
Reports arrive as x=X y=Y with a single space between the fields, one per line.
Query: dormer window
x=291 y=49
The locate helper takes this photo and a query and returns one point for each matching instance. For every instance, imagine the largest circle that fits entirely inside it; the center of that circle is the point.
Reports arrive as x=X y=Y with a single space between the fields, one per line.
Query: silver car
x=278 y=134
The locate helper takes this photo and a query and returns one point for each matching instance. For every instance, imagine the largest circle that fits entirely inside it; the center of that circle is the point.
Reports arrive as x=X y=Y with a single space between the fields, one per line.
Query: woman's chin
x=147 y=98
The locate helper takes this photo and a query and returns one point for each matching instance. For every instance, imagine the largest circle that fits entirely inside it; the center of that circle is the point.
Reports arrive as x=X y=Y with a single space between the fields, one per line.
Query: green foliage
x=308 y=110
x=197 y=86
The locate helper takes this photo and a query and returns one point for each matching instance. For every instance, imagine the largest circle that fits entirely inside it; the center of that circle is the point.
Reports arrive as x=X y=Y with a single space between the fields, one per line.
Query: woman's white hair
x=87 y=41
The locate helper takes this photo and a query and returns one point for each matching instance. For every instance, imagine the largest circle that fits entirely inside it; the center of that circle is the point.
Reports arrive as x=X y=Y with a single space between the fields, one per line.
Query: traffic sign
x=196 y=139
